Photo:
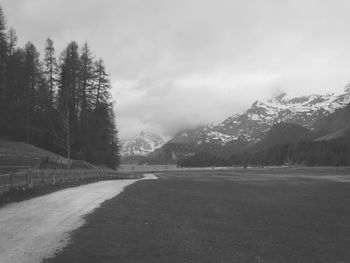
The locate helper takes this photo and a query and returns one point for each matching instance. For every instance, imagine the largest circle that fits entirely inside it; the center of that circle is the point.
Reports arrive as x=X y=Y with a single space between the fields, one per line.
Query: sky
x=178 y=64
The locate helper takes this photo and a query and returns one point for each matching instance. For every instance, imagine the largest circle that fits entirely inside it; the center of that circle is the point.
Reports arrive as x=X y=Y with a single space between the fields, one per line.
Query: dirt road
x=33 y=230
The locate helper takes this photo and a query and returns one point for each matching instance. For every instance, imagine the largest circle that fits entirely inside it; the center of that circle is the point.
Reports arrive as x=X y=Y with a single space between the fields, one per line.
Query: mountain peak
x=141 y=144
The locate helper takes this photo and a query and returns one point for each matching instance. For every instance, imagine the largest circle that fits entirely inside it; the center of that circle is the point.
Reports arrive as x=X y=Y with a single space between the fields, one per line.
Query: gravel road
x=33 y=230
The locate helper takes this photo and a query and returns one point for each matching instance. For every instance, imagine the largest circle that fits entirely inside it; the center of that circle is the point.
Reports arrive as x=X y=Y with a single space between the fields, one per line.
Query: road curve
x=33 y=230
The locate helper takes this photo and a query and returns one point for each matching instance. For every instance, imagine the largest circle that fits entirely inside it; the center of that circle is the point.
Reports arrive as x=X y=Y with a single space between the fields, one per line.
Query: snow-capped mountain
x=252 y=124
x=141 y=144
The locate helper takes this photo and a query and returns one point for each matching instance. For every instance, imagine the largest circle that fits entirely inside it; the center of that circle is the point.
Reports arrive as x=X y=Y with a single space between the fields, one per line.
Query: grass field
x=220 y=217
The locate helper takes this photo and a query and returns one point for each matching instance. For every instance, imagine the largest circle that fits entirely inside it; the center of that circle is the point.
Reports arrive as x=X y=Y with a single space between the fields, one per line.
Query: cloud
x=178 y=64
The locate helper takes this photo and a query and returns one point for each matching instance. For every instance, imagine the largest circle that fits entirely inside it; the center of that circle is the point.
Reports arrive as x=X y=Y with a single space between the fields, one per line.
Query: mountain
x=141 y=144
x=261 y=116
x=247 y=128
x=326 y=143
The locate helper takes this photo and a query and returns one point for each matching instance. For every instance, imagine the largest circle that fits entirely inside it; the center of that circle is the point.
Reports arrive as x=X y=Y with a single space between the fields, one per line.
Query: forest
x=316 y=153
x=61 y=103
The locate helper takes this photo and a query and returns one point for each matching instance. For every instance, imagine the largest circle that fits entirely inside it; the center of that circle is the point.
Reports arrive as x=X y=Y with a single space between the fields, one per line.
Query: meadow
x=267 y=215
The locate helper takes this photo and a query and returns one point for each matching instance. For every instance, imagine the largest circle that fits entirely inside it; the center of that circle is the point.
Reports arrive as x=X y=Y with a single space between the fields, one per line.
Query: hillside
x=15 y=155
x=333 y=123
x=282 y=133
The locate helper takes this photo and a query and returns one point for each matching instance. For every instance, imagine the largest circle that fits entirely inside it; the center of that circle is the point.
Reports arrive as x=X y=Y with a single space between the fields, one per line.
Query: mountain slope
x=283 y=133
x=336 y=121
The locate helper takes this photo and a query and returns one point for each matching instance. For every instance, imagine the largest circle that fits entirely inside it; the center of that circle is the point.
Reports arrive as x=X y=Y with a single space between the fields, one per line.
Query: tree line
x=286 y=144
x=305 y=153
x=61 y=103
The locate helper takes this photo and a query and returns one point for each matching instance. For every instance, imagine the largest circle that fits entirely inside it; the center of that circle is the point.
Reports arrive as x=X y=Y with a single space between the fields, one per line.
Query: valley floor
x=33 y=230
x=219 y=216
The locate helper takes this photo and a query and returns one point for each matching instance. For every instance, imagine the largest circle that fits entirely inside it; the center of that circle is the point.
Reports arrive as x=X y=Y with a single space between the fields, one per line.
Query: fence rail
x=31 y=178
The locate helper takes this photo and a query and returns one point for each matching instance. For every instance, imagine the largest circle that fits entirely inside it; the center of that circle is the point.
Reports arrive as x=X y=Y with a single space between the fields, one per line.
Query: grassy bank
x=39 y=188
x=216 y=219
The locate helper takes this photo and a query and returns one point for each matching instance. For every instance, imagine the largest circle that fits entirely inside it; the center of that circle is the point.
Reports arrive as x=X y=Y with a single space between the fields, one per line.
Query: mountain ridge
x=253 y=123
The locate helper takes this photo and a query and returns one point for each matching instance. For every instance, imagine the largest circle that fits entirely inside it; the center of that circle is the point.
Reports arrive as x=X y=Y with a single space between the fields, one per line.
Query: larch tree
x=64 y=106
x=68 y=93
x=3 y=49
x=33 y=78
x=51 y=68
x=87 y=83
x=103 y=85
x=14 y=81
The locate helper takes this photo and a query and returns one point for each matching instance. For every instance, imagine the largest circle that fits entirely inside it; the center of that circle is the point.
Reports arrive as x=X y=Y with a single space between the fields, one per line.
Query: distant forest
x=285 y=144
x=62 y=104
x=317 y=153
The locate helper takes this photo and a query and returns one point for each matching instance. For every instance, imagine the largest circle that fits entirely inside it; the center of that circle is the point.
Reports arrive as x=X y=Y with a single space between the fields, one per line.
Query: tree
x=103 y=84
x=33 y=78
x=87 y=77
x=64 y=108
x=12 y=91
x=3 y=46
x=68 y=91
x=50 y=68
x=12 y=41
x=3 y=49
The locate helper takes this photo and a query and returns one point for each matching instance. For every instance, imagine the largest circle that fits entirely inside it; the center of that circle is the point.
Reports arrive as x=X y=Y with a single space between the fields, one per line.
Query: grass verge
x=21 y=194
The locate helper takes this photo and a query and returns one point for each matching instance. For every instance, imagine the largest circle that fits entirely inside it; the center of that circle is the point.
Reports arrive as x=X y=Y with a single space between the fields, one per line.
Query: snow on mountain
x=141 y=144
x=254 y=122
x=215 y=137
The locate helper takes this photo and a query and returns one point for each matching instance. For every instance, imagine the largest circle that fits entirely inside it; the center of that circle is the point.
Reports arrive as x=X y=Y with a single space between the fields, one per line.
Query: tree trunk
x=68 y=135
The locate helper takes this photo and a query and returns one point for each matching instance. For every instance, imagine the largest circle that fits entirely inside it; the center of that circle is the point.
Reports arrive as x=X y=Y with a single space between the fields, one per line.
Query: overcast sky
x=178 y=64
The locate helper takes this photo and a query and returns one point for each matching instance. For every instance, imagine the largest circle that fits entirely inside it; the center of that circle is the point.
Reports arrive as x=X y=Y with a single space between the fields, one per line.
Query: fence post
x=12 y=175
x=42 y=177
x=29 y=179
x=32 y=179
x=53 y=178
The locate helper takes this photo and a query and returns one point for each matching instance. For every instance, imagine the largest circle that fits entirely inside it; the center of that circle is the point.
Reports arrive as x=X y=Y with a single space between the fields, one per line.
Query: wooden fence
x=32 y=178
